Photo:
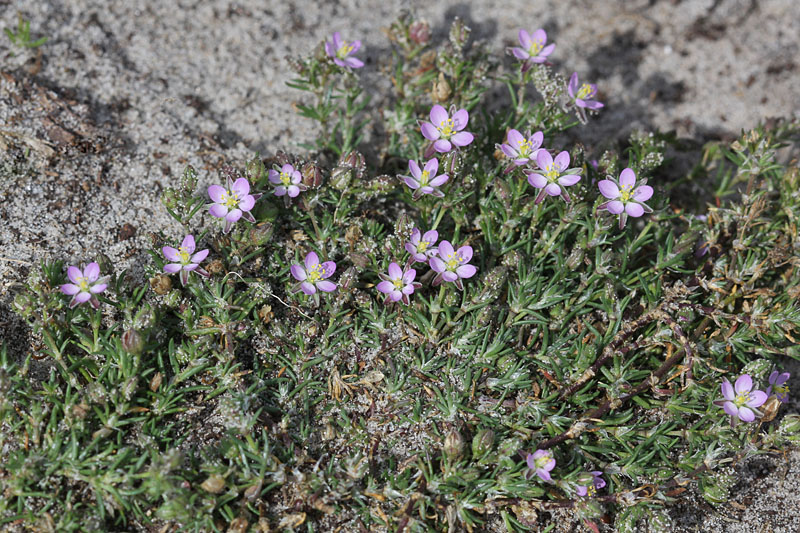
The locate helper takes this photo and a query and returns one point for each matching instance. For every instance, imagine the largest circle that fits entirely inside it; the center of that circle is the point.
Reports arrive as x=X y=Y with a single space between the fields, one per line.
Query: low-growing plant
x=472 y=326
x=22 y=36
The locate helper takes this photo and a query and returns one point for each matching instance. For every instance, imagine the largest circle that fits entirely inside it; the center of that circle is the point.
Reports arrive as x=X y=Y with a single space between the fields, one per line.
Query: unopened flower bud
x=459 y=33
x=261 y=233
x=169 y=198
x=352 y=235
x=482 y=443
x=419 y=32
x=341 y=177
x=161 y=284
x=132 y=342
x=441 y=89
x=453 y=445
x=575 y=258
x=312 y=175
x=214 y=484
x=189 y=179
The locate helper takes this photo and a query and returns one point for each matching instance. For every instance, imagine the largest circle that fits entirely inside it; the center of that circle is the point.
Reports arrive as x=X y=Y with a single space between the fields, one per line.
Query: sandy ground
x=126 y=92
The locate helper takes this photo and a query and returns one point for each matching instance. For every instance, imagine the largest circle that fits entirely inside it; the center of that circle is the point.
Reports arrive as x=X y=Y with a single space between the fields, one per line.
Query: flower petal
x=524 y=39
x=746 y=414
x=633 y=209
x=627 y=178
x=437 y=265
x=445 y=249
x=460 y=119
x=171 y=254
x=218 y=210
x=97 y=289
x=553 y=189
x=199 y=256
x=241 y=187
x=727 y=390
x=308 y=288
x=172 y=267
x=234 y=215
x=311 y=260
x=432 y=166
x=537 y=180
x=409 y=275
x=385 y=287
x=429 y=131
x=442 y=146
x=544 y=159
x=414 y=168
x=608 y=189
x=572 y=86
x=615 y=207
x=395 y=272
x=757 y=398
x=465 y=252
x=329 y=267
x=431 y=236
x=81 y=297
x=743 y=384
x=298 y=272
x=215 y=192
x=643 y=193
x=438 y=115
x=326 y=286
x=247 y=203
x=568 y=180
x=438 y=181
x=449 y=276
x=562 y=160
x=70 y=289
x=462 y=138
x=515 y=139
x=466 y=271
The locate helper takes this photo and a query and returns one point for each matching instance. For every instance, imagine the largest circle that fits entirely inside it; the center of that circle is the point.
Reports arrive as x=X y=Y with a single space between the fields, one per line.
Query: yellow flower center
x=781 y=389
x=398 y=283
x=453 y=261
x=447 y=127
x=552 y=173
x=422 y=246
x=184 y=254
x=742 y=399
x=83 y=283
x=585 y=91
x=542 y=461
x=536 y=47
x=230 y=200
x=315 y=273
x=286 y=178
x=525 y=147
x=344 y=50
x=590 y=490
x=424 y=178
x=626 y=193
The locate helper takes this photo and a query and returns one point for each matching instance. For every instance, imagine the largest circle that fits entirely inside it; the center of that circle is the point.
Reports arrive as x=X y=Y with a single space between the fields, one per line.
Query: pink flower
x=85 y=285
x=340 y=50
x=777 y=384
x=425 y=181
x=740 y=401
x=287 y=182
x=451 y=265
x=446 y=132
x=533 y=49
x=232 y=203
x=421 y=247
x=184 y=259
x=398 y=284
x=553 y=175
x=541 y=462
x=591 y=483
x=314 y=275
x=582 y=96
x=520 y=149
x=626 y=198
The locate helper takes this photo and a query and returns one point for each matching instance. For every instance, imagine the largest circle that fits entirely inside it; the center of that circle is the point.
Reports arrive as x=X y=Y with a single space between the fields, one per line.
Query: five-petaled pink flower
x=451 y=265
x=185 y=259
x=777 y=384
x=422 y=247
x=553 y=175
x=590 y=485
x=520 y=149
x=287 y=182
x=533 y=48
x=740 y=401
x=339 y=50
x=446 y=131
x=232 y=203
x=625 y=197
x=314 y=275
x=582 y=96
x=425 y=181
x=398 y=284
x=541 y=462
x=85 y=285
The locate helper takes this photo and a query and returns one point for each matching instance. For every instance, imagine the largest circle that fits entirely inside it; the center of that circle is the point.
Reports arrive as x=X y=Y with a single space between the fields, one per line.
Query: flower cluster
x=626 y=198
x=232 y=202
x=340 y=51
x=185 y=259
x=533 y=48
